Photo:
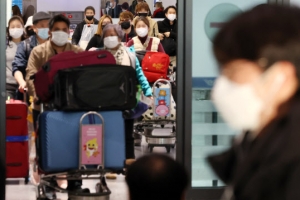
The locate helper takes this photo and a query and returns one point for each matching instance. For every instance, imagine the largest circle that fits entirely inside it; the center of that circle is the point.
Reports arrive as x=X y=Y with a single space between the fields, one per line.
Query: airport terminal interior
x=193 y=128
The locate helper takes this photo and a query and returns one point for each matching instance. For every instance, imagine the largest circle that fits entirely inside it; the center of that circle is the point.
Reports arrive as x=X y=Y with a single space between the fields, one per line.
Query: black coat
x=268 y=167
x=129 y=36
x=165 y=26
x=96 y=41
x=78 y=31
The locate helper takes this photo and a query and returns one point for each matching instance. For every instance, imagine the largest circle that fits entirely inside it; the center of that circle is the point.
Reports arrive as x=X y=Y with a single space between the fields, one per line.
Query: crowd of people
x=257 y=91
x=31 y=44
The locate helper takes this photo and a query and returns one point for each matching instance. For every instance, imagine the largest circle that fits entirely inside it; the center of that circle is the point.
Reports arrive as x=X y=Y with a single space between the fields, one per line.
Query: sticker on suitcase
x=162 y=102
x=92 y=144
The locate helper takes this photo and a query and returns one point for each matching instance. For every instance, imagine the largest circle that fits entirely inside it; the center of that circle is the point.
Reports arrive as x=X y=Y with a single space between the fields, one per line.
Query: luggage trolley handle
x=81 y=165
x=162 y=81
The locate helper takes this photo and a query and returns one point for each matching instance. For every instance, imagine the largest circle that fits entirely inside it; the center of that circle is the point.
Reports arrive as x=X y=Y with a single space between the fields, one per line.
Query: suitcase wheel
x=26 y=180
x=168 y=149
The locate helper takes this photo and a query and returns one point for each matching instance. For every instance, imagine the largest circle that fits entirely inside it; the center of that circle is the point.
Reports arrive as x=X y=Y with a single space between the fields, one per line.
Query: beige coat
x=38 y=57
x=153 y=30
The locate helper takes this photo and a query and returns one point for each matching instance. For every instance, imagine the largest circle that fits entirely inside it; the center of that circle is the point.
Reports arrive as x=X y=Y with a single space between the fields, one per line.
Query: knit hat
x=40 y=16
x=29 y=22
x=125 y=6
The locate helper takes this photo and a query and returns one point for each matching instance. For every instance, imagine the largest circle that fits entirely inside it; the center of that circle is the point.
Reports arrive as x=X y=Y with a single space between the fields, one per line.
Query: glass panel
x=210 y=134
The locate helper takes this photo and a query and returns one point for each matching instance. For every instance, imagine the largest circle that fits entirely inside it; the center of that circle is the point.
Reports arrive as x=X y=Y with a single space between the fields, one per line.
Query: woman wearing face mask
x=168 y=28
x=112 y=36
x=15 y=34
x=96 y=41
x=126 y=18
x=143 y=42
x=159 y=10
x=143 y=10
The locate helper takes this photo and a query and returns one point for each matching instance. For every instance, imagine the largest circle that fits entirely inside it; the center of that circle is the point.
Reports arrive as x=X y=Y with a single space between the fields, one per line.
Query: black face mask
x=89 y=17
x=125 y=25
x=30 y=32
x=142 y=14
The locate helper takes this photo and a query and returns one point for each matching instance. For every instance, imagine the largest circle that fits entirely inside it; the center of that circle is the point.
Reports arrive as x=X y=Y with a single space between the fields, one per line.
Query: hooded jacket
x=267 y=167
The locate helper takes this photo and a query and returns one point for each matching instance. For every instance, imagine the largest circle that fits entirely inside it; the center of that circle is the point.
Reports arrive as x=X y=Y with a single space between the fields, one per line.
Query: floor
x=17 y=190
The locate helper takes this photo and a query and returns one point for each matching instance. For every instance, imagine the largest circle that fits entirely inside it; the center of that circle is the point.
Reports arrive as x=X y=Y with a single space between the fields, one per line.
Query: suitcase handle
x=131 y=87
x=100 y=56
x=13 y=117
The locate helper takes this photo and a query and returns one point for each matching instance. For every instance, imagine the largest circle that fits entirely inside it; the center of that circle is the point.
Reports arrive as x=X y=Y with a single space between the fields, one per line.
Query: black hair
x=89 y=8
x=167 y=9
x=58 y=18
x=266 y=32
x=158 y=177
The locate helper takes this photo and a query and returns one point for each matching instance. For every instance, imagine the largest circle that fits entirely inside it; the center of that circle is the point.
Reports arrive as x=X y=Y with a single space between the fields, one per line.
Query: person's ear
x=35 y=29
x=50 y=34
x=280 y=82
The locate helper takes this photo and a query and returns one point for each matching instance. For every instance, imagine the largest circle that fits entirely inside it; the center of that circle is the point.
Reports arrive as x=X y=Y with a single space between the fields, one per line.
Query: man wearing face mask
x=40 y=22
x=258 y=92
x=89 y=20
x=58 y=43
x=126 y=18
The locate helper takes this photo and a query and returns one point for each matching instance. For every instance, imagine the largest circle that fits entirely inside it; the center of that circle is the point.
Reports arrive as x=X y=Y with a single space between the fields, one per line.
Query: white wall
x=295 y=2
x=8 y=10
x=67 y=5
x=203 y=61
x=167 y=3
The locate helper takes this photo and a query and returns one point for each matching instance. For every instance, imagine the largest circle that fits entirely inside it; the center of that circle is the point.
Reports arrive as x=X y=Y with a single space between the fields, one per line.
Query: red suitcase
x=17 y=154
x=44 y=78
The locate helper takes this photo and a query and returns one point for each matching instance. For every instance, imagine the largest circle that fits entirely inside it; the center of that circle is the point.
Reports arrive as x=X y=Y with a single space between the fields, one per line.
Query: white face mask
x=111 y=42
x=16 y=32
x=142 y=32
x=238 y=104
x=171 y=17
x=60 y=38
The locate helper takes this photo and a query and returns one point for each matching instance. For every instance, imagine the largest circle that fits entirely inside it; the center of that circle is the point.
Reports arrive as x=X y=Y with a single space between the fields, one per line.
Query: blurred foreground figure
x=156 y=177
x=258 y=92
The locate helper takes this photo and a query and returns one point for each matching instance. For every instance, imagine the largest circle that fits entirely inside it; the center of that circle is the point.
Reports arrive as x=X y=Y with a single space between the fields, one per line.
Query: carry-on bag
x=17 y=155
x=58 y=143
x=155 y=66
x=44 y=78
x=100 y=87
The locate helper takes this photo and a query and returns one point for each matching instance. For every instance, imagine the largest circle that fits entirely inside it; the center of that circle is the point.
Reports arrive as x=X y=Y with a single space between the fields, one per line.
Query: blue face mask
x=43 y=33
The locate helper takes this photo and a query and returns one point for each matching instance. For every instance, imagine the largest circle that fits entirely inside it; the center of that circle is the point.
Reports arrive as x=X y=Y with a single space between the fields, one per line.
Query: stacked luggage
x=82 y=131
x=17 y=154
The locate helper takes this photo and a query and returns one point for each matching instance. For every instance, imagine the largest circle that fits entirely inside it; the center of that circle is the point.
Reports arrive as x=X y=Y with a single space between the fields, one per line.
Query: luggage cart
x=83 y=172
x=161 y=118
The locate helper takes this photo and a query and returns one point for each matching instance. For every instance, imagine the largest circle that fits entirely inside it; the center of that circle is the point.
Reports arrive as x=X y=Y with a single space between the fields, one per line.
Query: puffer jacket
x=139 y=72
x=23 y=52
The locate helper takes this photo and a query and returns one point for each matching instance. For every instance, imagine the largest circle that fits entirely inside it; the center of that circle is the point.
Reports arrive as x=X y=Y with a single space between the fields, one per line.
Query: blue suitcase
x=58 y=140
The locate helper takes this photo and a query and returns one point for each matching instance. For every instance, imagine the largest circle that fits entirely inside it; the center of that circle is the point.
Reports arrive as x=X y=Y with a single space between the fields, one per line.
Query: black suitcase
x=102 y=87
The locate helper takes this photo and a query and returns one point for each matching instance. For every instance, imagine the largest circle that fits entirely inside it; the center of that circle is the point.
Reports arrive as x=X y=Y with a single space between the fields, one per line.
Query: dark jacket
x=23 y=51
x=96 y=41
x=159 y=13
x=78 y=31
x=165 y=26
x=128 y=37
x=169 y=43
x=268 y=167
